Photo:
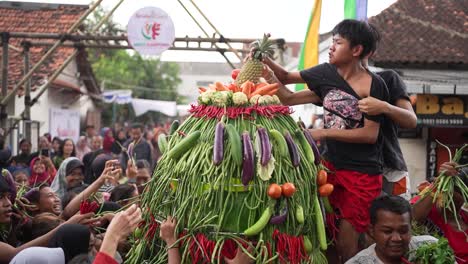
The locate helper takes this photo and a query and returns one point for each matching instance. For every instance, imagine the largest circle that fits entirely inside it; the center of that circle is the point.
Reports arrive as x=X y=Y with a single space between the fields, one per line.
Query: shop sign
x=150 y=31
x=431 y=160
x=442 y=110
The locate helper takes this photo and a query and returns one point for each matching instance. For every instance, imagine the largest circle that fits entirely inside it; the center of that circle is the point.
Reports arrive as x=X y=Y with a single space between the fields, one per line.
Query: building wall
x=415 y=154
x=53 y=97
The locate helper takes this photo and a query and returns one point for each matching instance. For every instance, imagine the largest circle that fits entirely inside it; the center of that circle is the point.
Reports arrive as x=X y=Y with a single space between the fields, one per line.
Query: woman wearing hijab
x=82 y=148
x=73 y=239
x=42 y=170
x=39 y=255
x=108 y=141
x=69 y=175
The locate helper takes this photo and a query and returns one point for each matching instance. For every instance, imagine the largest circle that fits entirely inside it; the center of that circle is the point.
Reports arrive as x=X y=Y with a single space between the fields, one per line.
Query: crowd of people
x=44 y=219
x=43 y=192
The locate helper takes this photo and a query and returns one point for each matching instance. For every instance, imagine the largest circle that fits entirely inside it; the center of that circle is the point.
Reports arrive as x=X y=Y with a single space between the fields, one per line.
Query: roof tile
x=423 y=32
x=47 y=19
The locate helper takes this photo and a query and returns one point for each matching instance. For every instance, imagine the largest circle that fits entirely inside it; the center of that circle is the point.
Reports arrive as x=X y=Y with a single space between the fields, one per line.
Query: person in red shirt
x=425 y=209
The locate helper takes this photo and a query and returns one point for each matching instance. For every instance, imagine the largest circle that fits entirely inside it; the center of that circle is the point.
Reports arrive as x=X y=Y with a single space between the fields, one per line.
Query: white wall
x=415 y=154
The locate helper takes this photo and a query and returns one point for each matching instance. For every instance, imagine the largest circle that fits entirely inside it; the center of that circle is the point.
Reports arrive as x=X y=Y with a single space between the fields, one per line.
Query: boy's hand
x=318 y=134
x=132 y=170
x=167 y=231
x=449 y=168
x=372 y=106
x=125 y=222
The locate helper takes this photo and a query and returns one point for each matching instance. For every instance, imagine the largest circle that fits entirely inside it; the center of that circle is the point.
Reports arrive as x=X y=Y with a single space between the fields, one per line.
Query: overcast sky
x=238 y=19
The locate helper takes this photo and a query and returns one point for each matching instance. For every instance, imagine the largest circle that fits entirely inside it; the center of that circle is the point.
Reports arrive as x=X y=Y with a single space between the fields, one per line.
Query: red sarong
x=352 y=195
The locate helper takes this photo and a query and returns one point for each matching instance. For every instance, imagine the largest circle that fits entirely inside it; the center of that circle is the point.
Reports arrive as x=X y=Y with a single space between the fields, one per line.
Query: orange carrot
x=201 y=89
x=233 y=87
x=221 y=87
x=265 y=89
x=272 y=92
x=247 y=88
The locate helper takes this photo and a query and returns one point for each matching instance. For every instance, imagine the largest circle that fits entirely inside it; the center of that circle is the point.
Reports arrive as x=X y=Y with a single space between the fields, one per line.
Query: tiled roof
x=37 y=18
x=423 y=32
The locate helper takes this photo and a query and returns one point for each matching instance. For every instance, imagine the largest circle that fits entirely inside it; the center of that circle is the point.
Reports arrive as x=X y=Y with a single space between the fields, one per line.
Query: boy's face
x=392 y=234
x=49 y=202
x=5 y=208
x=340 y=51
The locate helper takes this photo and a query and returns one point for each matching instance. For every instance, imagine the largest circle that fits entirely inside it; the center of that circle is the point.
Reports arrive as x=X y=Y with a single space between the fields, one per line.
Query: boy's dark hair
x=393 y=203
x=42 y=225
x=358 y=33
x=137 y=125
x=24 y=140
x=122 y=192
x=34 y=194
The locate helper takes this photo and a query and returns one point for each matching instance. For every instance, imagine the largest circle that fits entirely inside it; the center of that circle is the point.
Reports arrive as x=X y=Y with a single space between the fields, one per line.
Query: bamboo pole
x=27 y=94
x=3 y=113
x=27 y=76
x=44 y=87
x=215 y=29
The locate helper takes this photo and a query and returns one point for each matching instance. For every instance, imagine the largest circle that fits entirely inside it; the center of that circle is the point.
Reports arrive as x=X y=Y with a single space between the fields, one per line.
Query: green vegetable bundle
x=213 y=177
x=445 y=186
x=433 y=253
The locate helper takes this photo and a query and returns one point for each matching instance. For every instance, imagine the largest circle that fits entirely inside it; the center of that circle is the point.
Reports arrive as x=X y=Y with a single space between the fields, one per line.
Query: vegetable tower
x=238 y=174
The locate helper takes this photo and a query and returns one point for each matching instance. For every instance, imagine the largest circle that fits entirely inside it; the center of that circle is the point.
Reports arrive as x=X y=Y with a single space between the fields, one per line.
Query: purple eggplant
x=281 y=217
x=218 y=149
x=265 y=146
x=248 y=162
x=293 y=150
x=311 y=141
x=11 y=184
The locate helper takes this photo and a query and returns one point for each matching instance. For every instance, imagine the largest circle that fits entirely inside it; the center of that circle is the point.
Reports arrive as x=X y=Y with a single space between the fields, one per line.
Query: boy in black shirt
x=353 y=141
x=398 y=113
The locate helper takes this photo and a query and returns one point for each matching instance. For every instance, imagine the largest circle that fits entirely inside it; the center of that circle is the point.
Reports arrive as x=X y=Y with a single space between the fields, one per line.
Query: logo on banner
x=150 y=31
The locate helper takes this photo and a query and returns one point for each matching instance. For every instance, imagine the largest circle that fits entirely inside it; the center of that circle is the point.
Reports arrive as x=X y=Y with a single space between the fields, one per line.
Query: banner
x=442 y=110
x=355 y=9
x=309 y=51
x=150 y=31
x=64 y=123
x=142 y=106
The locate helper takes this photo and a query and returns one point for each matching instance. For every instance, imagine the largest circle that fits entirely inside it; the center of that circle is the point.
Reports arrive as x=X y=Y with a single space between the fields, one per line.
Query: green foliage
x=122 y=69
x=434 y=253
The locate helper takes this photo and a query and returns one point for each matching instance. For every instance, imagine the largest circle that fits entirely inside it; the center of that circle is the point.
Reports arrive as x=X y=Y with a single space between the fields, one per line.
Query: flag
x=355 y=9
x=309 y=51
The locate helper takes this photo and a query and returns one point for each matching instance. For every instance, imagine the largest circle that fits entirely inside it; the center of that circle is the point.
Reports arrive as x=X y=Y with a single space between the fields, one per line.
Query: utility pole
x=3 y=107
x=27 y=94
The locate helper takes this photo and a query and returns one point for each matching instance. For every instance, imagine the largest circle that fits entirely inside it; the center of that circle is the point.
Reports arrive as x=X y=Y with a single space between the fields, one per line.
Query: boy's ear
x=357 y=50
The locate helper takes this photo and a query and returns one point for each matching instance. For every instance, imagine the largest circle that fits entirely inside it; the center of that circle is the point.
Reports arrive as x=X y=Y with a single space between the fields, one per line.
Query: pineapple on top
x=252 y=69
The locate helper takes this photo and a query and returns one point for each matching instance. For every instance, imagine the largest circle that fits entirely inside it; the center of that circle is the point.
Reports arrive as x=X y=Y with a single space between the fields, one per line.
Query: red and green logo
x=151 y=30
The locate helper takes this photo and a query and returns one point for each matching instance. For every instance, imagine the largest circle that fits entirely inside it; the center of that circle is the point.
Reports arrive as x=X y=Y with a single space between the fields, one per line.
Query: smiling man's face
x=392 y=234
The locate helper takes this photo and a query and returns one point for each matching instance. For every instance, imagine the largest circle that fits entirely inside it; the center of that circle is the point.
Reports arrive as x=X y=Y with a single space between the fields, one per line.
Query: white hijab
x=39 y=255
x=59 y=184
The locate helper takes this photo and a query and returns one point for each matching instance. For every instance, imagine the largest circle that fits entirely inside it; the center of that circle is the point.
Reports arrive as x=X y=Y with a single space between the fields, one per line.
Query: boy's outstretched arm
x=367 y=134
x=288 y=97
x=401 y=113
x=282 y=74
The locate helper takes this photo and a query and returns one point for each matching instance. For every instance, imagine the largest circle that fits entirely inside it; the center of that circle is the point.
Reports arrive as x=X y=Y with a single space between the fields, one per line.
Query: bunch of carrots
x=248 y=87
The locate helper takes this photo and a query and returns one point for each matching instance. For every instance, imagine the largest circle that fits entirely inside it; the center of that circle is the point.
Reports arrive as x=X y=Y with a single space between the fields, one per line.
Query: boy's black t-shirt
x=340 y=111
x=392 y=155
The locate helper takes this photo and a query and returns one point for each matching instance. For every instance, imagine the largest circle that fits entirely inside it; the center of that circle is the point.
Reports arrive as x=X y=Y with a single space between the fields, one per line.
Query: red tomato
x=321 y=177
x=274 y=191
x=234 y=73
x=326 y=189
x=288 y=189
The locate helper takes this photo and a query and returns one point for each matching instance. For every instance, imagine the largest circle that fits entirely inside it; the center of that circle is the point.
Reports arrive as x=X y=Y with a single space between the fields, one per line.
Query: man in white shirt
x=390 y=228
